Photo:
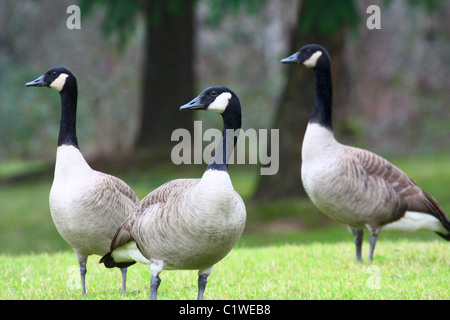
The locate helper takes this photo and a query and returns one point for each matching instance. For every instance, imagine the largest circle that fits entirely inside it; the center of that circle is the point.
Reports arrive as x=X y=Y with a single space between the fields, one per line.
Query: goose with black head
x=188 y=223
x=87 y=206
x=352 y=185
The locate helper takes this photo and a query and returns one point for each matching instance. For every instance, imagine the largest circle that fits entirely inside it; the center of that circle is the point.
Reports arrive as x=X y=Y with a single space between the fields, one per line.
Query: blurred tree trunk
x=168 y=75
x=296 y=105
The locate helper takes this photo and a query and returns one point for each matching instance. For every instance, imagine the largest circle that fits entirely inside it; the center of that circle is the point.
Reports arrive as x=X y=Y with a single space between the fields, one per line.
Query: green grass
x=289 y=250
x=12 y=168
x=403 y=269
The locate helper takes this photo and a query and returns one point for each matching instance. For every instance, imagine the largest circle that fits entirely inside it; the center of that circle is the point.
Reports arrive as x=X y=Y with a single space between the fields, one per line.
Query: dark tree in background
x=168 y=75
x=167 y=72
x=326 y=23
x=168 y=78
x=323 y=22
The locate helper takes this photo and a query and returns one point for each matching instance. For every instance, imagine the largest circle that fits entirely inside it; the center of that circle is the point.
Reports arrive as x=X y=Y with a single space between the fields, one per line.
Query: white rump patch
x=413 y=221
x=311 y=62
x=220 y=103
x=129 y=252
x=59 y=82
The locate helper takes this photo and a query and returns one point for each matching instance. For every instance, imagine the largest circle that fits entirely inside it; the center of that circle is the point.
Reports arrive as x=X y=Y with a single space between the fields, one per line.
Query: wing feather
x=158 y=197
x=400 y=183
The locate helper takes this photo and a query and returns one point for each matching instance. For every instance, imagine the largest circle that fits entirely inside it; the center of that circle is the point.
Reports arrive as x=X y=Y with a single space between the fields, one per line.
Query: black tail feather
x=445 y=236
x=109 y=262
x=436 y=210
x=446 y=224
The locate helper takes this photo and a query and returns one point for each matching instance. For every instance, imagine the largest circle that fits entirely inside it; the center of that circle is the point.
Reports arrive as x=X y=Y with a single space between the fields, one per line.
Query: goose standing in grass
x=188 y=223
x=354 y=186
x=87 y=206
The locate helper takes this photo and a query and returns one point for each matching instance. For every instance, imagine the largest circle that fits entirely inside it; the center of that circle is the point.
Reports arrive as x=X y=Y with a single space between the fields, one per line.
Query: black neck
x=67 y=129
x=231 y=126
x=323 y=100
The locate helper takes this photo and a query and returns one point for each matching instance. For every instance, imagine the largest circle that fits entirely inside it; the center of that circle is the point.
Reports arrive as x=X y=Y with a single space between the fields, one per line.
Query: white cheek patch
x=59 y=82
x=220 y=103
x=311 y=62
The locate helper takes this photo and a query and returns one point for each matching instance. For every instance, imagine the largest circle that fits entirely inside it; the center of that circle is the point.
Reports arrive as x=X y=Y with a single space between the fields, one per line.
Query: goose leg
x=155 y=268
x=83 y=278
x=202 y=281
x=82 y=261
x=155 y=281
x=358 y=238
x=373 y=240
x=124 y=280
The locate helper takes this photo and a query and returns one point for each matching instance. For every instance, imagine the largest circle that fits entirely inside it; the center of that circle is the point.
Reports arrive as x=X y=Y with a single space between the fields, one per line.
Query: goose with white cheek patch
x=188 y=224
x=87 y=206
x=352 y=185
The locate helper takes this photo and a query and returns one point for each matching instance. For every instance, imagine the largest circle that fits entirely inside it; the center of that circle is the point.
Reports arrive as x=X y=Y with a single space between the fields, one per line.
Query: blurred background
x=138 y=61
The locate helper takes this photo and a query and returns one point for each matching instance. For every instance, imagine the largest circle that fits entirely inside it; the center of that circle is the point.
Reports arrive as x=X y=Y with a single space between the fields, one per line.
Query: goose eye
x=213 y=93
x=54 y=73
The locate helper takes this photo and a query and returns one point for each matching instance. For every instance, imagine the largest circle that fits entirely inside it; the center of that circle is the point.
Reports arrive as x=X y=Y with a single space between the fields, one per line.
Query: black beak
x=39 y=82
x=193 y=104
x=291 y=59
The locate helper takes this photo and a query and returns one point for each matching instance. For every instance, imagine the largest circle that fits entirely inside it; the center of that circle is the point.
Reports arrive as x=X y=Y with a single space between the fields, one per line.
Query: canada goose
x=188 y=223
x=355 y=186
x=87 y=206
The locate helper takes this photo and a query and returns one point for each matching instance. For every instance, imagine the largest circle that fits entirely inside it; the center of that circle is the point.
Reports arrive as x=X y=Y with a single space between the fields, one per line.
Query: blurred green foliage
x=120 y=17
x=429 y=5
x=327 y=17
x=21 y=124
x=29 y=117
x=236 y=55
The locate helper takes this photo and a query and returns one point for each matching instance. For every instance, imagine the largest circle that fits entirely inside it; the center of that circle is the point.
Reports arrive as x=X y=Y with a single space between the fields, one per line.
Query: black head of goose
x=225 y=102
x=188 y=224
x=352 y=185
x=87 y=206
x=63 y=80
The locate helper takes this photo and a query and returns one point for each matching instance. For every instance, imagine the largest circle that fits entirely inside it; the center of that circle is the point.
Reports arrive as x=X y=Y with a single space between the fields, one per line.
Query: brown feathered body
x=184 y=224
x=87 y=206
x=361 y=189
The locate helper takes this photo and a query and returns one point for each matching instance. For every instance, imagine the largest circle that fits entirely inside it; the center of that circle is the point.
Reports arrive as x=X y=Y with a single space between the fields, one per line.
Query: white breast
x=73 y=176
x=197 y=228
x=73 y=185
x=324 y=177
x=319 y=159
x=318 y=143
